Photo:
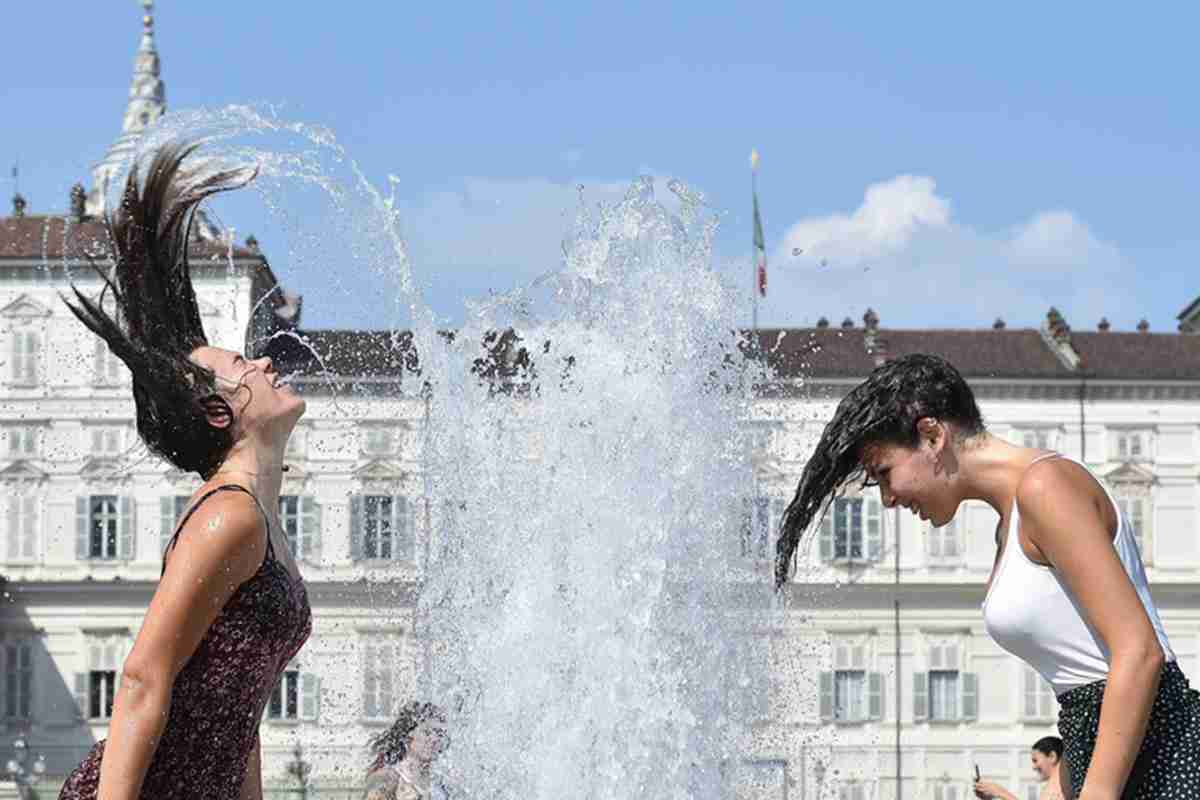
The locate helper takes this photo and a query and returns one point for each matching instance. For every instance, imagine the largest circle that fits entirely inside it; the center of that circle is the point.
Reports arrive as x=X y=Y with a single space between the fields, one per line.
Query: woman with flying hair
x=1067 y=595
x=230 y=610
x=404 y=754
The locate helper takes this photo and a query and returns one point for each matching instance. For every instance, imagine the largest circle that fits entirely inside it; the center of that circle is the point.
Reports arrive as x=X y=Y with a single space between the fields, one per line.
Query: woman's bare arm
x=221 y=546
x=1063 y=516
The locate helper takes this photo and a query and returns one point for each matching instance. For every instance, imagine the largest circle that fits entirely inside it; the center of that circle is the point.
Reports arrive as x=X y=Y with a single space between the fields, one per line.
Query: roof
x=56 y=237
x=820 y=353
x=1139 y=356
x=843 y=352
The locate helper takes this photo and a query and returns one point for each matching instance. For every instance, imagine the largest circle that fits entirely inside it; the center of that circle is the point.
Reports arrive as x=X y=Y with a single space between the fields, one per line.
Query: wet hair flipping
x=391 y=746
x=156 y=324
x=1048 y=745
x=884 y=408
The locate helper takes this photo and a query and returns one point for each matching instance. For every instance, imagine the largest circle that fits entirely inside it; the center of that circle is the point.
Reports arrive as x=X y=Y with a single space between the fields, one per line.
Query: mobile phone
x=977 y=778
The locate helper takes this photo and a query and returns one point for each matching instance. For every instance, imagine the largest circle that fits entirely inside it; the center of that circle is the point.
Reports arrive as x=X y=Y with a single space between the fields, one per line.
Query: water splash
x=581 y=615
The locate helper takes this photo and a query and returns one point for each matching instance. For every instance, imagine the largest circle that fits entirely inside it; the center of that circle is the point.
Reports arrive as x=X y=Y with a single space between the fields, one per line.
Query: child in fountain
x=230 y=609
x=1068 y=593
x=404 y=754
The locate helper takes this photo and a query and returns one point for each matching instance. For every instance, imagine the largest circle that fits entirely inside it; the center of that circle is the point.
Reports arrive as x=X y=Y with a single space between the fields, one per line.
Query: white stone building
x=880 y=667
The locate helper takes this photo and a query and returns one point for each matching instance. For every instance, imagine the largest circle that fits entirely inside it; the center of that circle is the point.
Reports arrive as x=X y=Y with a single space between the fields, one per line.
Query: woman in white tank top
x=1067 y=594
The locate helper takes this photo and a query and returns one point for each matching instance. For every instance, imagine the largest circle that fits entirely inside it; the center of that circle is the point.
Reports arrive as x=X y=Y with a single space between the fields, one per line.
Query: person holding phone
x=1046 y=757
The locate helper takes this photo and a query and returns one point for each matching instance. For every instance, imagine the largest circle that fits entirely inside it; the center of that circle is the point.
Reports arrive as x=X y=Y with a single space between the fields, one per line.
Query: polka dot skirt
x=1168 y=765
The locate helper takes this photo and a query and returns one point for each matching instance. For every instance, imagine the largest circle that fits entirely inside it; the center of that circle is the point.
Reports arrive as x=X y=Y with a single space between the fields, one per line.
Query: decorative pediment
x=379 y=470
x=25 y=307
x=104 y=469
x=22 y=471
x=1129 y=473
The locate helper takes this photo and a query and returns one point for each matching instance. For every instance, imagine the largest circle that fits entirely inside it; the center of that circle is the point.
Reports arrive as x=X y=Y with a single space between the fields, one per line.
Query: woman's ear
x=931 y=430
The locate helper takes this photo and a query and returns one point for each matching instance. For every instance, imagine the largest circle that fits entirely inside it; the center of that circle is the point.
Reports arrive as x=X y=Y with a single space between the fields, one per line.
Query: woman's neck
x=991 y=470
x=259 y=468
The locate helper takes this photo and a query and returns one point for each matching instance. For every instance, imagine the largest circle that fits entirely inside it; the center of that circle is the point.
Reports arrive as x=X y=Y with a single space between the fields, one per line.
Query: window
x=106 y=440
x=381 y=528
x=18 y=678
x=285 y=698
x=1041 y=437
x=102 y=689
x=171 y=510
x=104 y=524
x=851 y=529
x=295 y=696
x=21 y=521
x=300 y=517
x=1131 y=445
x=1038 y=702
x=25 y=356
x=1134 y=510
x=378 y=440
x=850 y=693
x=943 y=542
x=109 y=370
x=945 y=693
x=381 y=657
x=21 y=441
x=760 y=519
x=96 y=688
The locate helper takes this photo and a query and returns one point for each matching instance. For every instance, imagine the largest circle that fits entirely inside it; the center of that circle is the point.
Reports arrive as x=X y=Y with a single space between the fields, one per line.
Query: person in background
x=404 y=754
x=1046 y=757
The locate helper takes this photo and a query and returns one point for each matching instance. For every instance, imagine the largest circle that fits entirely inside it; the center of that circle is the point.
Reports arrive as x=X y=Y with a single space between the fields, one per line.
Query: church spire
x=147 y=102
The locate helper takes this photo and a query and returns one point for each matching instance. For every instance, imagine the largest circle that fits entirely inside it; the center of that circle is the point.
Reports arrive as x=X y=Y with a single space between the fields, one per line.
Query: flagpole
x=754 y=246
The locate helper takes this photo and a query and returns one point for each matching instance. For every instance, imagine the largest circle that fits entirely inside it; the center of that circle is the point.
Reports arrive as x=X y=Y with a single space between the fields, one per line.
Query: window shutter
x=386 y=663
x=370 y=682
x=13 y=520
x=15 y=357
x=29 y=520
x=310 y=696
x=81 y=695
x=969 y=682
x=874 y=528
x=126 y=549
x=403 y=546
x=875 y=696
x=83 y=539
x=310 y=529
x=826 y=535
x=920 y=696
x=1029 y=689
x=826 y=700
x=356 y=528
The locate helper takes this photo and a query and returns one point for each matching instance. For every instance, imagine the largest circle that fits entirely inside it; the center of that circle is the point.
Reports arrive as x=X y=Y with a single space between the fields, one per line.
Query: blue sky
x=948 y=165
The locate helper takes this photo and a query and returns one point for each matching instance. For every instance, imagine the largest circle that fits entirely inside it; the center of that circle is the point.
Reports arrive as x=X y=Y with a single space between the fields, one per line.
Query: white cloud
x=903 y=254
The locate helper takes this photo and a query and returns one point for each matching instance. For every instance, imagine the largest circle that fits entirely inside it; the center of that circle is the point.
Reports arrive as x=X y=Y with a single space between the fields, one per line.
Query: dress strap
x=227 y=487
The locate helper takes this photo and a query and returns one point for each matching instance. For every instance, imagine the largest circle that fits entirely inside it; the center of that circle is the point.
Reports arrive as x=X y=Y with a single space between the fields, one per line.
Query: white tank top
x=1030 y=612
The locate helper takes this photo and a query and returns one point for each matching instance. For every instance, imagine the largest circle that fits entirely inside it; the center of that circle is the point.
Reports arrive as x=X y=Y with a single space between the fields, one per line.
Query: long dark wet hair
x=391 y=746
x=882 y=409
x=156 y=324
